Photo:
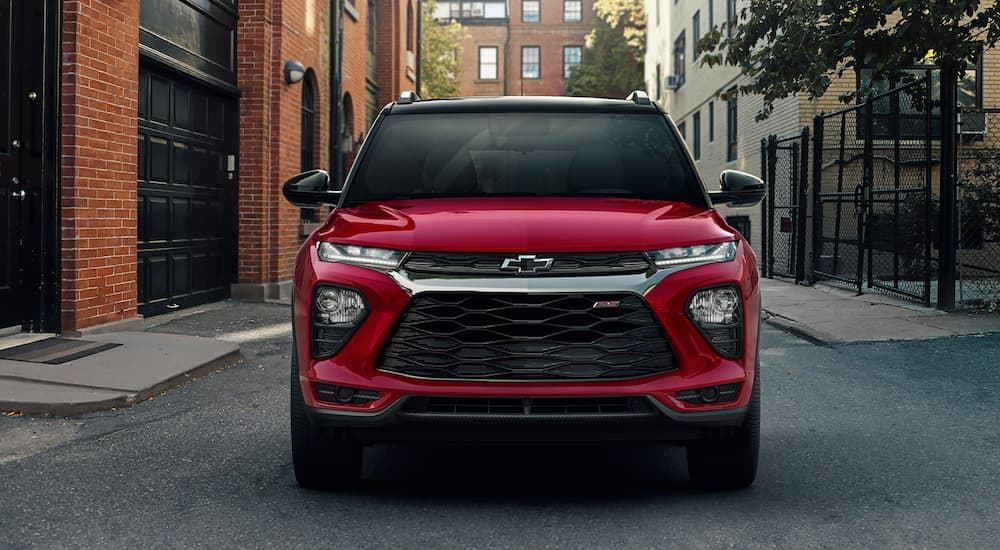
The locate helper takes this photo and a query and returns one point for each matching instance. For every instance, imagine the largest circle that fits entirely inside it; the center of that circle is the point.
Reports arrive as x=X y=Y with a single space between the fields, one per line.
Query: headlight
x=337 y=312
x=719 y=306
x=718 y=314
x=696 y=254
x=360 y=255
x=336 y=306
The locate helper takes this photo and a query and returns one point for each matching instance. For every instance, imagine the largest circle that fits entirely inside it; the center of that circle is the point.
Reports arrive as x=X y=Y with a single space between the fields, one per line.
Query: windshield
x=524 y=154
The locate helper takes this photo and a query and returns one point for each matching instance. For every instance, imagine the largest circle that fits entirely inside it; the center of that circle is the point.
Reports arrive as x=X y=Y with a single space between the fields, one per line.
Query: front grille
x=461 y=263
x=528 y=337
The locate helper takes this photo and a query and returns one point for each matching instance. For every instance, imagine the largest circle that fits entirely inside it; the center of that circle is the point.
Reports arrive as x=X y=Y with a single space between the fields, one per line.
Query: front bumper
x=665 y=291
x=399 y=422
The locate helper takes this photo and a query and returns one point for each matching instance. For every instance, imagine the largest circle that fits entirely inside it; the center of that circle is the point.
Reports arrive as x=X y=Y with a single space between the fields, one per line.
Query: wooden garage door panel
x=186 y=201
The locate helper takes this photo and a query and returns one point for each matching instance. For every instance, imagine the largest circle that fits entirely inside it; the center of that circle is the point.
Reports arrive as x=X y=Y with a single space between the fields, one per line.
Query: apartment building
x=721 y=132
x=519 y=47
x=143 y=145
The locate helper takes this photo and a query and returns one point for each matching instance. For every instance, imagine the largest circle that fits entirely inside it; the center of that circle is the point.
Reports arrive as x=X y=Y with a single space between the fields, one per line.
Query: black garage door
x=187 y=192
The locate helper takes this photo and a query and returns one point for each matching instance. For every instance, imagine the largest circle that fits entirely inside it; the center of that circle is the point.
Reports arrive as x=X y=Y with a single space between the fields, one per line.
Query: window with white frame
x=488 y=62
x=572 y=56
x=572 y=11
x=531 y=11
x=531 y=57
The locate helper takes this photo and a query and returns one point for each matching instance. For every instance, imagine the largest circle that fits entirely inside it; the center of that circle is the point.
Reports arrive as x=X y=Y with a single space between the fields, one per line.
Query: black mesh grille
x=532 y=405
x=528 y=337
x=562 y=264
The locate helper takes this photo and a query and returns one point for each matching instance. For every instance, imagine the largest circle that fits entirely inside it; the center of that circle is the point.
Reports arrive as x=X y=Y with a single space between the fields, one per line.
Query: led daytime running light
x=697 y=254
x=359 y=255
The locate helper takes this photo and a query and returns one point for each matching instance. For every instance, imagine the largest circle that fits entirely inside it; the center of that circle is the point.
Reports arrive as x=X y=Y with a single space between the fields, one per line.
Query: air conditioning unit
x=973 y=123
x=673 y=81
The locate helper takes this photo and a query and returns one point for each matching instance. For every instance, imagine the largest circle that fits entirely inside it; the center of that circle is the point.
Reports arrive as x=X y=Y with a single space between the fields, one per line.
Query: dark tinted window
x=536 y=154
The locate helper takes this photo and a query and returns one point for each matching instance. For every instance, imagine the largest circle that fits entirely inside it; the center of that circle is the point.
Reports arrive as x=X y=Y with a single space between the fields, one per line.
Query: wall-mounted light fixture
x=294 y=71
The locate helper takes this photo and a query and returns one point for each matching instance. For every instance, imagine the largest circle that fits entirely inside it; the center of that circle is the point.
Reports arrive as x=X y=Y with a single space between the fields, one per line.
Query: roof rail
x=638 y=97
x=408 y=97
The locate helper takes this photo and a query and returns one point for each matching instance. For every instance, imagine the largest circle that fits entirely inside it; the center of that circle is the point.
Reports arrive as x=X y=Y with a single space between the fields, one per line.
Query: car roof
x=538 y=104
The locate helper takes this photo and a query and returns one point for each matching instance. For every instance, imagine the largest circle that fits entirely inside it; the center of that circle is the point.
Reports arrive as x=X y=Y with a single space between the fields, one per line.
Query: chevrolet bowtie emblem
x=526 y=264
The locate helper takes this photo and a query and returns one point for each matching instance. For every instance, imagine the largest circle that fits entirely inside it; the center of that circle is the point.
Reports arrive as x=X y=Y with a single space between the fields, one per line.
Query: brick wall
x=100 y=68
x=469 y=83
x=355 y=67
x=269 y=34
x=551 y=33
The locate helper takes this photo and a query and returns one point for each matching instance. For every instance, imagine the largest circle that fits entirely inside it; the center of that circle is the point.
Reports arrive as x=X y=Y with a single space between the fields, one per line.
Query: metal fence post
x=772 y=164
x=764 y=205
x=802 y=209
x=817 y=184
x=864 y=198
x=946 y=229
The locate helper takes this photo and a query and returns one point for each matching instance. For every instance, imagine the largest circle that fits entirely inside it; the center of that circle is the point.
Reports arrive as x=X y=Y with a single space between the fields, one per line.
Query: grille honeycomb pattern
x=527 y=337
x=562 y=265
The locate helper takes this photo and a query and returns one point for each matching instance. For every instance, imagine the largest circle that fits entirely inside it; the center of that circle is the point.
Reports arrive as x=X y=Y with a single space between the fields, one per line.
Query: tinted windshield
x=517 y=154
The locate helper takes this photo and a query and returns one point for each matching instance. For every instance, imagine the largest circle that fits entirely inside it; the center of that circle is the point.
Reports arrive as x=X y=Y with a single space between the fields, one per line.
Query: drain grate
x=54 y=351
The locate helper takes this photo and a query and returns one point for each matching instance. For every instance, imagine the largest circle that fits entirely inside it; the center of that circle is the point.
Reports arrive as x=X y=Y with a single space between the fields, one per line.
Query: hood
x=525 y=224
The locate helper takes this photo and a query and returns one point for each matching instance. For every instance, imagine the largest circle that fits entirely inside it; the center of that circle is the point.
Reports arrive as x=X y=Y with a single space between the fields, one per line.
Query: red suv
x=525 y=269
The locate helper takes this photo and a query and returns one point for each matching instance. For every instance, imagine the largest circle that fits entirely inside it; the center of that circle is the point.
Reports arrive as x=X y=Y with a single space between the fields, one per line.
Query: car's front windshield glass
x=524 y=154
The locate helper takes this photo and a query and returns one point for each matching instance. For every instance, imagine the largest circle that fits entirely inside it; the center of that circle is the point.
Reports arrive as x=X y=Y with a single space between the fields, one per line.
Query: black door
x=26 y=49
x=10 y=171
x=186 y=192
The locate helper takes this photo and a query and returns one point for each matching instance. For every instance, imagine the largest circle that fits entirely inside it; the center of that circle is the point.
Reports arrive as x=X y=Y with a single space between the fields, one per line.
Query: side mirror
x=738 y=189
x=310 y=189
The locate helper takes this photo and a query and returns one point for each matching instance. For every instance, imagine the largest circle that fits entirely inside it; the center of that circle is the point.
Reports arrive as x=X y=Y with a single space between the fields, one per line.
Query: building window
x=409 y=26
x=696 y=137
x=573 y=11
x=682 y=128
x=659 y=82
x=731 y=18
x=731 y=124
x=488 y=62
x=471 y=10
x=711 y=121
x=572 y=56
x=679 y=62
x=531 y=11
x=531 y=62
x=741 y=224
x=371 y=26
x=902 y=112
x=695 y=32
x=307 y=140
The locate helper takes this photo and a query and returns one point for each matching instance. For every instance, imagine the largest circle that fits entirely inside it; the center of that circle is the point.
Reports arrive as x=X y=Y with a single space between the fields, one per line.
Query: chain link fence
x=978 y=252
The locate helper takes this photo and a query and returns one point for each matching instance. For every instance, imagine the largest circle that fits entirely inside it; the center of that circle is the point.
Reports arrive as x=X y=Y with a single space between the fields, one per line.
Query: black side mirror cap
x=738 y=189
x=310 y=189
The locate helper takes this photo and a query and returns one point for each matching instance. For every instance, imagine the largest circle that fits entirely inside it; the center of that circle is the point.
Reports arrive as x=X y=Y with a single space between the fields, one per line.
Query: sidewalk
x=826 y=315
x=141 y=366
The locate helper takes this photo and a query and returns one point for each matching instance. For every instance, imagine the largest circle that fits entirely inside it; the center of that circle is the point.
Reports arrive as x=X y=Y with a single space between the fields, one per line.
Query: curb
x=811 y=335
x=124 y=399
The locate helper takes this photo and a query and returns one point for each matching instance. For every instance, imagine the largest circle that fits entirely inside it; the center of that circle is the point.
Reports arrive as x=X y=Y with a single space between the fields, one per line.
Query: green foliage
x=789 y=47
x=439 y=54
x=613 y=54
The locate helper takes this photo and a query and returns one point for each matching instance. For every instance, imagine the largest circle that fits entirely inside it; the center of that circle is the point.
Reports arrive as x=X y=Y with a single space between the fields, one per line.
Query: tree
x=613 y=53
x=788 y=47
x=439 y=54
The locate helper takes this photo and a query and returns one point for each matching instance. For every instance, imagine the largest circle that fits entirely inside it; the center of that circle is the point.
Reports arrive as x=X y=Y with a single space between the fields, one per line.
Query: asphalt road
x=864 y=445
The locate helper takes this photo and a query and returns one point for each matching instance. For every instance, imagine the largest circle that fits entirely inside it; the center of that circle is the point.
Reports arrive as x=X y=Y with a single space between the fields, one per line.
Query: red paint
x=548 y=224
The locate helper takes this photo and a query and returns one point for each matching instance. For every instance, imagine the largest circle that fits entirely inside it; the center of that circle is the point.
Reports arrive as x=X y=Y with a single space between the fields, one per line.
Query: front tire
x=321 y=459
x=731 y=463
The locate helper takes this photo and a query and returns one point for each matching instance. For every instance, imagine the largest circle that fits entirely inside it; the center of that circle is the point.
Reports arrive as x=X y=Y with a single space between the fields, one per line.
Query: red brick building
x=519 y=47
x=143 y=145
